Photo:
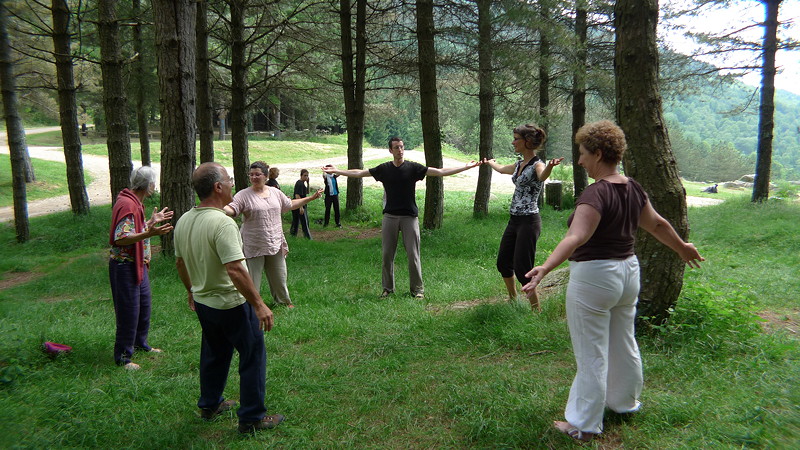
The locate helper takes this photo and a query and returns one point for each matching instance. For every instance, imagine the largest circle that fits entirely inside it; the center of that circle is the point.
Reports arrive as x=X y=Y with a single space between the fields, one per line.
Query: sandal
x=573 y=432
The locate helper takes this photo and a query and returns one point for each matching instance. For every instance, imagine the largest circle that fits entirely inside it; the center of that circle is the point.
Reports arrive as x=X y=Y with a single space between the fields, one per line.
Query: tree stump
x=552 y=194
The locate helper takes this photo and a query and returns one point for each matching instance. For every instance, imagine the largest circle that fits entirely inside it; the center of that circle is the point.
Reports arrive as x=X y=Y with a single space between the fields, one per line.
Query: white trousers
x=275 y=267
x=601 y=307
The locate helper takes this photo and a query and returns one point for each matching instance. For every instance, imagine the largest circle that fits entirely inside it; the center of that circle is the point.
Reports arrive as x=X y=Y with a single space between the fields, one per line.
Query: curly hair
x=534 y=136
x=273 y=173
x=605 y=137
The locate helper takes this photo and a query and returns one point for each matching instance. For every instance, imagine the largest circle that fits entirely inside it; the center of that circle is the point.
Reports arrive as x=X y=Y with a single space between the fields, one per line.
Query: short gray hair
x=142 y=177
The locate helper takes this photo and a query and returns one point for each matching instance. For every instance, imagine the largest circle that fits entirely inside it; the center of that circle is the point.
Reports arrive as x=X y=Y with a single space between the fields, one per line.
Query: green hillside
x=717 y=118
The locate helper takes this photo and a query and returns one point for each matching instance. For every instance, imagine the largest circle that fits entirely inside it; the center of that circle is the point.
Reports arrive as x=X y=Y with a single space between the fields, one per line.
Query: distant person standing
x=129 y=265
x=331 y=198
x=273 y=178
x=518 y=244
x=300 y=215
x=210 y=262
x=399 y=178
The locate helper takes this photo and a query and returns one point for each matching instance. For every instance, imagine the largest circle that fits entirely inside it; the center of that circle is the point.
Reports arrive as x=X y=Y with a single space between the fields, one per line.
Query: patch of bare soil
x=12 y=279
x=333 y=233
x=788 y=321
x=551 y=285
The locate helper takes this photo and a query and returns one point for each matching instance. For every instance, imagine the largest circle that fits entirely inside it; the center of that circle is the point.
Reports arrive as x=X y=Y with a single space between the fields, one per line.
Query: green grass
x=51 y=181
x=349 y=370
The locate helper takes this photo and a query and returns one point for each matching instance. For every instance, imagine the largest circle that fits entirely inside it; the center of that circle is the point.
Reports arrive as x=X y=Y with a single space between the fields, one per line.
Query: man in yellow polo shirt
x=210 y=261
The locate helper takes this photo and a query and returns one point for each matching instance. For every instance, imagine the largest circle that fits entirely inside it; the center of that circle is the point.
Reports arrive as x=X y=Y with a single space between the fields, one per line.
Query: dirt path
x=99 y=192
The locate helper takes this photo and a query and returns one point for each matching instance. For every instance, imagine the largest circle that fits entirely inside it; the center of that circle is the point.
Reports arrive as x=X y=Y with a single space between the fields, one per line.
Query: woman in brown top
x=604 y=281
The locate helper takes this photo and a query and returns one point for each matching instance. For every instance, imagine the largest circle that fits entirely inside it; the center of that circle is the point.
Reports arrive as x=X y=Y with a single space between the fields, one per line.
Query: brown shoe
x=211 y=414
x=267 y=423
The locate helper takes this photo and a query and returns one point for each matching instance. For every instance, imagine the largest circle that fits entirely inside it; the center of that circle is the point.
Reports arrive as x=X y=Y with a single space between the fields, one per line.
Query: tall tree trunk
x=480 y=207
x=429 y=110
x=175 y=46
x=241 y=156
x=649 y=158
x=544 y=83
x=579 y=177
x=115 y=102
x=205 y=107
x=14 y=131
x=141 y=88
x=354 y=88
x=766 y=110
x=68 y=109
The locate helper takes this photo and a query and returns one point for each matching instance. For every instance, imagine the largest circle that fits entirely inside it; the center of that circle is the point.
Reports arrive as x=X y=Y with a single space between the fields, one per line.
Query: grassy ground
x=51 y=181
x=462 y=369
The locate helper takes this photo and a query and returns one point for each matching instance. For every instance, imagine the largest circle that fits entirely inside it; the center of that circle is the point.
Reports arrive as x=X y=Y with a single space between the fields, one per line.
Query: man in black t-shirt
x=399 y=178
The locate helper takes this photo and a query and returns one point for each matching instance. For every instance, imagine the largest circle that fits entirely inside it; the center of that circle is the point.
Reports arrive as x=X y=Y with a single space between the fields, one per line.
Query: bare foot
x=131 y=366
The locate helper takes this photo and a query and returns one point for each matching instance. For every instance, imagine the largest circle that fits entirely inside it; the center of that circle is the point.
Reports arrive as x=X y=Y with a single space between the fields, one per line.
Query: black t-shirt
x=620 y=206
x=398 y=185
x=300 y=189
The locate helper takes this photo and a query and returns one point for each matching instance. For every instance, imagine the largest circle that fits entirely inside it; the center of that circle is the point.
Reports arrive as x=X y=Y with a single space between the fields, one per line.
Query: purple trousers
x=132 y=307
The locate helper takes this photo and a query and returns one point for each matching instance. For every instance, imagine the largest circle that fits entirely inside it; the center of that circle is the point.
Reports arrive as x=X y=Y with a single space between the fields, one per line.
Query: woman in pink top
x=265 y=246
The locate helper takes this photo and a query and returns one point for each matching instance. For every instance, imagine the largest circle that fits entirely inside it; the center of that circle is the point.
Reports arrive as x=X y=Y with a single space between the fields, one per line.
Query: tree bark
x=649 y=158
x=141 y=88
x=115 y=102
x=15 y=132
x=205 y=107
x=238 y=122
x=176 y=46
x=68 y=109
x=480 y=206
x=544 y=83
x=579 y=177
x=766 y=110
x=354 y=88
x=429 y=109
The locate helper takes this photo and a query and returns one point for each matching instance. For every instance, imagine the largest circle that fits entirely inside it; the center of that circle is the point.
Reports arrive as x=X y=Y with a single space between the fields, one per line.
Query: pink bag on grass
x=53 y=349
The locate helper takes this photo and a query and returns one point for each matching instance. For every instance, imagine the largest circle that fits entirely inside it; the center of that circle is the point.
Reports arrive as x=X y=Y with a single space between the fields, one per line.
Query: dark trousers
x=300 y=219
x=331 y=200
x=518 y=246
x=132 y=304
x=223 y=331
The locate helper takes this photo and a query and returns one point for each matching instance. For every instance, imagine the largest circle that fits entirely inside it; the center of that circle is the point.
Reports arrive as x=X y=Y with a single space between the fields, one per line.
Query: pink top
x=262 y=231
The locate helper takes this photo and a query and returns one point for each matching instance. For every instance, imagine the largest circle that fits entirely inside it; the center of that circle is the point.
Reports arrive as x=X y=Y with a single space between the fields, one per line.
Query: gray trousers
x=391 y=227
x=275 y=267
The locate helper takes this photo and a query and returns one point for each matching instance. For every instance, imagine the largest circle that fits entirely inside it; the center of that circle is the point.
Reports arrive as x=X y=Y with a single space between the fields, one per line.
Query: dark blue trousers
x=223 y=331
x=132 y=304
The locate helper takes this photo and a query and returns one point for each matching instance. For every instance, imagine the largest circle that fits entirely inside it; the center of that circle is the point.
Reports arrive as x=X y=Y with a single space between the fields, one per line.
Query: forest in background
x=714 y=132
x=296 y=92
